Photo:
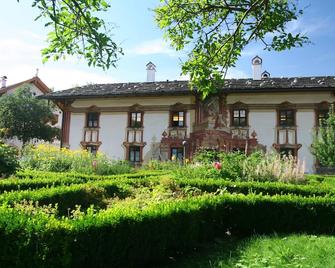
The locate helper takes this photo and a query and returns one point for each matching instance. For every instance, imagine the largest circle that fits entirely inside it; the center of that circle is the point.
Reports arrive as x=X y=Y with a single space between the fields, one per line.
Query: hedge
x=34 y=180
x=120 y=237
x=68 y=196
x=246 y=187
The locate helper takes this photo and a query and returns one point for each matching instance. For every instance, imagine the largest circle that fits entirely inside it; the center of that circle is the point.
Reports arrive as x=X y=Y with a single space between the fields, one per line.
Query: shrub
x=8 y=159
x=273 y=167
x=256 y=166
x=323 y=146
x=129 y=237
x=49 y=158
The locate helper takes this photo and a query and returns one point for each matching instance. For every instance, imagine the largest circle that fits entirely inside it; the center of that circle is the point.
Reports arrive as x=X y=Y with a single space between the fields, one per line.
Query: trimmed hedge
x=246 y=187
x=35 y=180
x=131 y=237
x=67 y=197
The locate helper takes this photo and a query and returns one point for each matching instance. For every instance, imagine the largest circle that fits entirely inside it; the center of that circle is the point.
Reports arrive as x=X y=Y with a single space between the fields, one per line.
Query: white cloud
x=155 y=46
x=21 y=56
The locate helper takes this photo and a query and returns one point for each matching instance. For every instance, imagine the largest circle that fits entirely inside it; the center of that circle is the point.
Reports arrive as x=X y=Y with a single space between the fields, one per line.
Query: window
x=135 y=154
x=92 y=120
x=177 y=153
x=287 y=152
x=239 y=118
x=93 y=149
x=136 y=119
x=286 y=118
x=178 y=119
x=322 y=116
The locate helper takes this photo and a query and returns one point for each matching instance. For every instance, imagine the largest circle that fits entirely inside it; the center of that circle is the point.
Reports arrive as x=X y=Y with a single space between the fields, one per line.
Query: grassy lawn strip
x=263 y=251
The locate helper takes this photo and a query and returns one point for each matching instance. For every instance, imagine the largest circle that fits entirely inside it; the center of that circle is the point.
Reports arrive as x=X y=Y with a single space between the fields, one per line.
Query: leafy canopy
x=216 y=31
x=76 y=30
x=25 y=117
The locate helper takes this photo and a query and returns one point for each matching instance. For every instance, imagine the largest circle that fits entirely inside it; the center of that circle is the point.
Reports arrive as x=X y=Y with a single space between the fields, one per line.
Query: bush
x=256 y=166
x=8 y=159
x=323 y=146
x=129 y=237
x=49 y=158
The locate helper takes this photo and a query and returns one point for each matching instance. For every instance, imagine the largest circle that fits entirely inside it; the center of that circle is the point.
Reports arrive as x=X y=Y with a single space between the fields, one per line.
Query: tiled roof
x=320 y=83
x=35 y=80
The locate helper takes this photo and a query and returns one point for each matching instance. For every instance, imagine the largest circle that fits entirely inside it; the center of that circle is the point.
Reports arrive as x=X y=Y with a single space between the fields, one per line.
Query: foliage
x=217 y=31
x=49 y=158
x=25 y=117
x=273 y=167
x=238 y=166
x=323 y=146
x=75 y=29
x=297 y=250
x=8 y=159
x=161 y=165
x=129 y=236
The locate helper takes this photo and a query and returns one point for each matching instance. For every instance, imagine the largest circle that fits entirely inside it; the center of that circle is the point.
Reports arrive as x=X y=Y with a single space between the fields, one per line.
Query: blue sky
x=22 y=39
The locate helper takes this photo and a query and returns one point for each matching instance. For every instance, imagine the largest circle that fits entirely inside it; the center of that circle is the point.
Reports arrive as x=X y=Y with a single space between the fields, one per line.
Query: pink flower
x=217 y=165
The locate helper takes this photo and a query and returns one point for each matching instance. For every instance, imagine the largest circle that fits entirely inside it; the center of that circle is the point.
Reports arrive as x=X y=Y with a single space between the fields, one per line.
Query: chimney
x=151 y=70
x=256 y=68
x=3 y=81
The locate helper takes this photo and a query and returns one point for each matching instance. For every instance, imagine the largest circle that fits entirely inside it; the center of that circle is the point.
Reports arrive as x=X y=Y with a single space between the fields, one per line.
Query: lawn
x=262 y=251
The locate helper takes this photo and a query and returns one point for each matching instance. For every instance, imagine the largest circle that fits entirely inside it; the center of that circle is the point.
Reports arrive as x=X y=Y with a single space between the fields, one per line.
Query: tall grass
x=49 y=158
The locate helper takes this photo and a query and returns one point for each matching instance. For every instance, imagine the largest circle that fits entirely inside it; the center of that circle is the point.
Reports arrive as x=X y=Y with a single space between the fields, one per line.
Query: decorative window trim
x=294 y=147
x=127 y=146
x=320 y=108
x=239 y=106
x=178 y=148
x=178 y=107
x=287 y=106
x=92 y=109
x=130 y=119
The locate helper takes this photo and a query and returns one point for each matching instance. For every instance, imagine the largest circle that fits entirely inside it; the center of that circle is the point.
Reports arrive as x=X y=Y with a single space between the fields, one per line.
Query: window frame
x=281 y=123
x=176 y=123
x=89 y=120
x=130 y=122
x=90 y=150
x=138 y=150
x=179 y=151
x=321 y=121
x=239 y=117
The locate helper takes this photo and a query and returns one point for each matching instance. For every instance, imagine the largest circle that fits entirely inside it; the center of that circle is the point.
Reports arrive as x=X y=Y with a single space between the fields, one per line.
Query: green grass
x=263 y=251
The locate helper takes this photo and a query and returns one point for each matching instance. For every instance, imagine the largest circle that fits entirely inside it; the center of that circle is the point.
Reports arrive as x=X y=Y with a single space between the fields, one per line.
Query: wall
x=263 y=122
x=112 y=134
x=305 y=124
x=76 y=130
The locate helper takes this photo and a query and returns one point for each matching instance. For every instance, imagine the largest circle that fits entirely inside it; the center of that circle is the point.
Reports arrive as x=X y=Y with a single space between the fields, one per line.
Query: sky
x=135 y=30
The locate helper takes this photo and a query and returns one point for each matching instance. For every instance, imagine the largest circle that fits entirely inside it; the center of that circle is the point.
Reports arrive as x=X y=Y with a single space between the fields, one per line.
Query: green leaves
x=217 y=31
x=324 y=142
x=24 y=116
x=75 y=29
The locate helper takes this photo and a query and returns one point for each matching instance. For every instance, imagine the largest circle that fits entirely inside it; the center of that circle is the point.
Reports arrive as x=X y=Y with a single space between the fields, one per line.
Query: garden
x=63 y=208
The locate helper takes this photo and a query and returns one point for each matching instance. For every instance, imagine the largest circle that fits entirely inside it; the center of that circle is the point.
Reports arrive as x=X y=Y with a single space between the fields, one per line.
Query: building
x=158 y=120
x=37 y=88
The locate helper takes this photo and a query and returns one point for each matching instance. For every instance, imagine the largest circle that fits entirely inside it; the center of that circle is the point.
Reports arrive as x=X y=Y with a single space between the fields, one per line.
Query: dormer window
x=92 y=119
x=136 y=119
x=177 y=119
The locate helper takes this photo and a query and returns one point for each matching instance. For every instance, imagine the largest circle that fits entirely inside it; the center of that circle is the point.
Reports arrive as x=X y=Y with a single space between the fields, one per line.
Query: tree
x=25 y=117
x=323 y=146
x=77 y=31
x=216 y=31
